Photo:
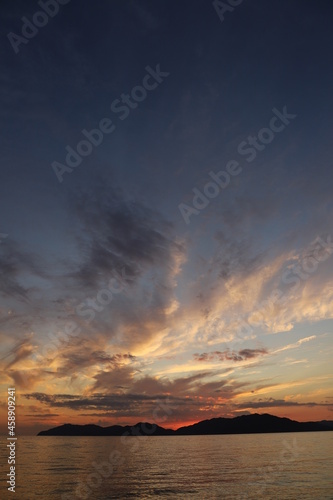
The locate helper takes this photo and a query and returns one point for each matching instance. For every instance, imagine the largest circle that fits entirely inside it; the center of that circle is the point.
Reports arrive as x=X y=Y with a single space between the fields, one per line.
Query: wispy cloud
x=228 y=355
x=295 y=345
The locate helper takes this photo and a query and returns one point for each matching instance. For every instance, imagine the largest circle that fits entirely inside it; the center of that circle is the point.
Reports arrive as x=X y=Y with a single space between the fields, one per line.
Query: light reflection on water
x=261 y=466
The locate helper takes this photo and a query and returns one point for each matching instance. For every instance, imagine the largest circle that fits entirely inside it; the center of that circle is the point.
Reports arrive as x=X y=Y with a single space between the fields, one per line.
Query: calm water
x=265 y=466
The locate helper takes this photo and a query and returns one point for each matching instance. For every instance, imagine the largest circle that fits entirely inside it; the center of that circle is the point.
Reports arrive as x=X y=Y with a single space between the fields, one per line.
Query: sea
x=283 y=466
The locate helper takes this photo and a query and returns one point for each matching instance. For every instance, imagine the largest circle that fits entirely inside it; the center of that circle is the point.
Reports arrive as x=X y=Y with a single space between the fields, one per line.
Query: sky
x=166 y=239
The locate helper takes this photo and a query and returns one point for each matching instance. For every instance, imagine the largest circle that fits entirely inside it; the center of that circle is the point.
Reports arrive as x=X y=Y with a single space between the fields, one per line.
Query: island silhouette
x=245 y=424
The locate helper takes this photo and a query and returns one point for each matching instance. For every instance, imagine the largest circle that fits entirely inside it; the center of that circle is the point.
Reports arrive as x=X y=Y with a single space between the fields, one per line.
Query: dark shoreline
x=245 y=424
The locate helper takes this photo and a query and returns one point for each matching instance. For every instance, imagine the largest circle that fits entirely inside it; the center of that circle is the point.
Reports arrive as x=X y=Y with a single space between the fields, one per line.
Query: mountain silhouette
x=244 y=424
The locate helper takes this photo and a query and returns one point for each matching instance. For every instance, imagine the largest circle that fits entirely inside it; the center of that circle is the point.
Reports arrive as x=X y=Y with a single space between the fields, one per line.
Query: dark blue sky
x=121 y=210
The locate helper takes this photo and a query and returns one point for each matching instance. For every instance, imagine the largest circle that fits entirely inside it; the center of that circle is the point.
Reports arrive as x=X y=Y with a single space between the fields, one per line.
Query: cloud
x=117 y=233
x=122 y=393
x=276 y=403
x=80 y=354
x=228 y=355
x=26 y=379
x=22 y=350
x=131 y=406
x=42 y=415
x=16 y=263
x=114 y=235
x=295 y=345
x=120 y=236
x=120 y=377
